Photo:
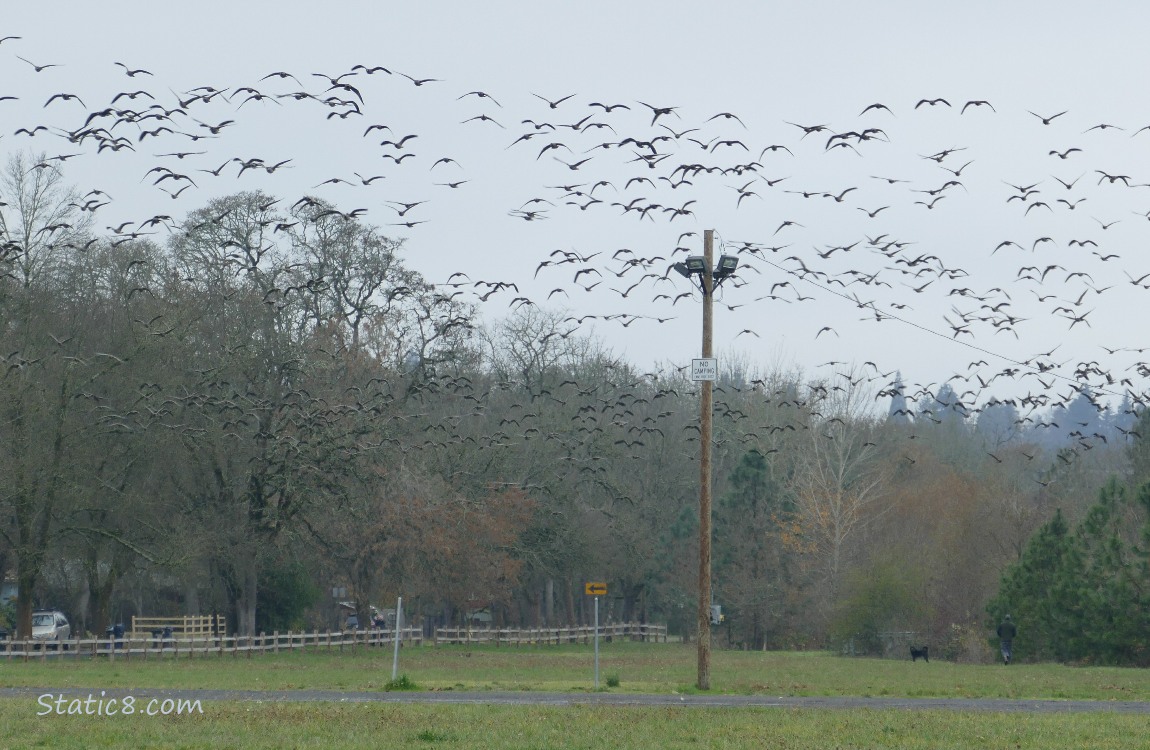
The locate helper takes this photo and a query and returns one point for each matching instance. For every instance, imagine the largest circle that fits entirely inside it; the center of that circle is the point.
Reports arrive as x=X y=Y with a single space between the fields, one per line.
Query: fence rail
x=135 y=645
x=570 y=634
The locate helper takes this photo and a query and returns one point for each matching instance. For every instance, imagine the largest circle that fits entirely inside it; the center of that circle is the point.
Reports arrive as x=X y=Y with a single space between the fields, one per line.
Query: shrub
x=882 y=598
x=403 y=682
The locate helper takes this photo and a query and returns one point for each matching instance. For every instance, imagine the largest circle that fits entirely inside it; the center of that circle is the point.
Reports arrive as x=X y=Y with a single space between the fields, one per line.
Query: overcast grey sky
x=775 y=66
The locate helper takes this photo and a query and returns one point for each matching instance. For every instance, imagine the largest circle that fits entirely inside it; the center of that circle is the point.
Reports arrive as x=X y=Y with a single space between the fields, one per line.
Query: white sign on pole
x=705 y=369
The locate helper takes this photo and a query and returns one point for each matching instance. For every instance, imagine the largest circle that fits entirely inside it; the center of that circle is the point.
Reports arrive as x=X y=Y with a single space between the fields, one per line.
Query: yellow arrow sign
x=595 y=588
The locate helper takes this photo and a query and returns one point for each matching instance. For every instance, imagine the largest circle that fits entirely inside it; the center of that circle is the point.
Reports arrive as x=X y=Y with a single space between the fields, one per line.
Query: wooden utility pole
x=705 y=399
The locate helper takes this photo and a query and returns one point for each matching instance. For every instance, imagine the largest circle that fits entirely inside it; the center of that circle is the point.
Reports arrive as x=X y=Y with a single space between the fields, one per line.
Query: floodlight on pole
x=726 y=266
x=700 y=266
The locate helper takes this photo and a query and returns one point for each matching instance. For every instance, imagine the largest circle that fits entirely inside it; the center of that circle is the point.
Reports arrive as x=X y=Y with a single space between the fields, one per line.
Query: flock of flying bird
x=666 y=170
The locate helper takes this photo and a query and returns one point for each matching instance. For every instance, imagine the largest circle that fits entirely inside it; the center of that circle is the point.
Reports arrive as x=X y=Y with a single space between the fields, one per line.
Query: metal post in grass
x=596 y=643
x=398 y=625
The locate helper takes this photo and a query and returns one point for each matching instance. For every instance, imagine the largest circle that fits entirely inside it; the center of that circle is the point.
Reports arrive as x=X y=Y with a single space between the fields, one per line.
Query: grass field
x=375 y=726
x=640 y=667
x=656 y=668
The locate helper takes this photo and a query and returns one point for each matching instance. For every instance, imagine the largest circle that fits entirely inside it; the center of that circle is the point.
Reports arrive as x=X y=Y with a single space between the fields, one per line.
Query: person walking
x=1006 y=632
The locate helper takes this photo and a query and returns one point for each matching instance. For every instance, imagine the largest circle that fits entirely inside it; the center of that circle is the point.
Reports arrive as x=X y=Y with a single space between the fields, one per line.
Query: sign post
x=596 y=643
x=596 y=589
x=395 y=637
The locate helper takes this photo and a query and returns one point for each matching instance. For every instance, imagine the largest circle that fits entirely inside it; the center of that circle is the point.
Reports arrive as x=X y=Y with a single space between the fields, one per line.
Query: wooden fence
x=192 y=625
x=138 y=646
x=134 y=645
x=572 y=634
x=890 y=642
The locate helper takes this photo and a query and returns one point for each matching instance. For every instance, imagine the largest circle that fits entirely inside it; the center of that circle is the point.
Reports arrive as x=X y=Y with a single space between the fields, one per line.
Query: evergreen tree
x=1083 y=597
x=1123 y=421
x=898 y=413
x=1035 y=592
x=751 y=568
x=946 y=407
x=1113 y=577
x=1139 y=453
x=997 y=423
x=1082 y=411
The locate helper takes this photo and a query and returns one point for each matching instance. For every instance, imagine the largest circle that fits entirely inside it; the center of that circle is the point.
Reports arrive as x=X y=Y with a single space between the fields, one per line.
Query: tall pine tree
x=1035 y=592
x=1085 y=596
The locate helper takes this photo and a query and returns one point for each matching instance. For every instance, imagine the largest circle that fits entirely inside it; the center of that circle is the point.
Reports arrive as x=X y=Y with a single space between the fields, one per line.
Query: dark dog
x=920 y=653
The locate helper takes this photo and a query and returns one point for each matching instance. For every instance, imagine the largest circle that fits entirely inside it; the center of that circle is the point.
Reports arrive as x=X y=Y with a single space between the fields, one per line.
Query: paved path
x=600 y=699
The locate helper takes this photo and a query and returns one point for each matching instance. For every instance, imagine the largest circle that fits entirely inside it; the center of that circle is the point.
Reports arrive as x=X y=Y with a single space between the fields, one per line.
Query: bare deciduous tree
x=839 y=485
x=40 y=219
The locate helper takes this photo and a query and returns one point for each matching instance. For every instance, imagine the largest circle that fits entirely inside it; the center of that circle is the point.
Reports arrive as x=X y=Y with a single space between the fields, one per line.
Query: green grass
x=403 y=682
x=640 y=668
x=656 y=668
x=355 y=726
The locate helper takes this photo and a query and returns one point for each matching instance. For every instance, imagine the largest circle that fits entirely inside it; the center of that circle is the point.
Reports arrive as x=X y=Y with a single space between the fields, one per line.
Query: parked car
x=51 y=626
